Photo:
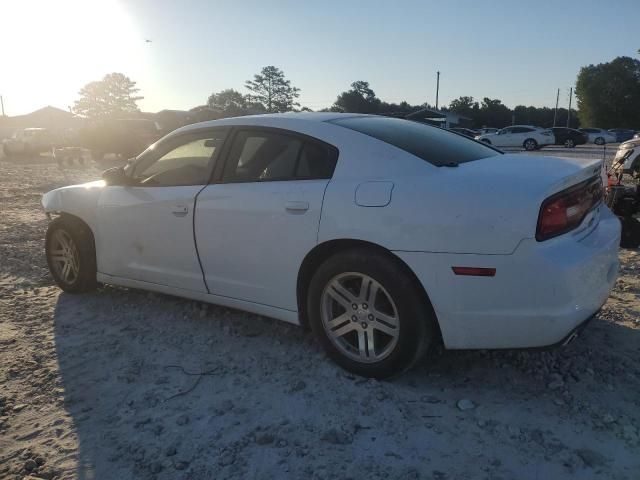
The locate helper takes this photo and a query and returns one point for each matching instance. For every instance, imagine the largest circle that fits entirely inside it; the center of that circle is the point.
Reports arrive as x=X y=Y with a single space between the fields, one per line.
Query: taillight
x=564 y=211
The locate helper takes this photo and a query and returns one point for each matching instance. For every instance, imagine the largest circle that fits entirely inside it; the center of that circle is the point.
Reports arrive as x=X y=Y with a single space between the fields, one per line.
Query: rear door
x=255 y=225
x=503 y=138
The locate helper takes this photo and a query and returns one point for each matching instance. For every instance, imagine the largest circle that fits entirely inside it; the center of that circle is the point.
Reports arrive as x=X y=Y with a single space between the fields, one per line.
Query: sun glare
x=51 y=49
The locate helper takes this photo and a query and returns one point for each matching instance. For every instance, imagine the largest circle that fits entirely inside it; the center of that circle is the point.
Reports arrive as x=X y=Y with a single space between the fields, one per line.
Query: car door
x=519 y=135
x=255 y=225
x=503 y=137
x=145 y=229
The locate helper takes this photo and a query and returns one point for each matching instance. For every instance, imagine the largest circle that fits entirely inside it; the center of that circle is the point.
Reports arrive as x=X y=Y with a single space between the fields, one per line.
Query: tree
x=493 y=113
x=231 y=103
x=114 y=95
x=360 y=99
x=609 y=93
x=228 y=101
x=465 y=106
x=273 y=90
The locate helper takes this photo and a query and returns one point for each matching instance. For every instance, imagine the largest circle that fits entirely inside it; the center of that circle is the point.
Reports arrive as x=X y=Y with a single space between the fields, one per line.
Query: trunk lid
x=499 y=198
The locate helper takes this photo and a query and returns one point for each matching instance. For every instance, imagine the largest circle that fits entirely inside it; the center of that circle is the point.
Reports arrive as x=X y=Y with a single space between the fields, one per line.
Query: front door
x=255 y=226
x=146 y=229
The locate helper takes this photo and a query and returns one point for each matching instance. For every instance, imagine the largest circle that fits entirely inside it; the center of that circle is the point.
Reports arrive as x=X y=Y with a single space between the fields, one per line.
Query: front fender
x=78 y=200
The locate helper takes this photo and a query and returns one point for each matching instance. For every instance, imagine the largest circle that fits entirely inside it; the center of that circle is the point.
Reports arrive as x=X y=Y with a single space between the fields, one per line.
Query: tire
x=399 y=314
x=630 y=237
x=484 y=140
x=70 y=252
x=569 y=143
x=7 y=151
x=530 y=144
x=599 y=141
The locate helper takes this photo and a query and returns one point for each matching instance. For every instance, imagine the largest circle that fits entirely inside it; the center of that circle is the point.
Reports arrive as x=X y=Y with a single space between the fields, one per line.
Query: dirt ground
x=105 y=386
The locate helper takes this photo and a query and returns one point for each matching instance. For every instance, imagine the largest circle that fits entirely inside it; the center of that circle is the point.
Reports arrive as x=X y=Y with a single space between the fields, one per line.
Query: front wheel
x=70 y=252
x=530 y=144
x=569 y=143
x=599 y=141
x=7 y=151
x=368 y=313
x=484 y=140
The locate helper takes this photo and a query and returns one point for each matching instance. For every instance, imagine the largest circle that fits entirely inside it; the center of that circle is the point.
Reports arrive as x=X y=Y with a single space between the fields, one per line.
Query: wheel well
x=323 y=251
x=82 y=224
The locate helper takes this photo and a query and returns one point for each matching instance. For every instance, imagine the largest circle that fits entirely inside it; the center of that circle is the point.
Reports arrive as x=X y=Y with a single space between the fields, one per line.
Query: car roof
x=271 y=119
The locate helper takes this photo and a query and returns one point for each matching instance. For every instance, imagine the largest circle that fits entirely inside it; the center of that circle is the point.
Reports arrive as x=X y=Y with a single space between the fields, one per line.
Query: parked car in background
x=467 y=132
x=569 y=137
x=125 y=138
x=484 y=130
x=622 y=134
x=598 y=136
x=522 y=261
x=525 y=136
x=28 y=141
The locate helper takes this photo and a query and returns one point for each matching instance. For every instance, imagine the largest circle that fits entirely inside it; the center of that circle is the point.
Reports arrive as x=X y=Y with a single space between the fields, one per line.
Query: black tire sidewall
x=416 y=318
x=527 y=141
x=83 y=239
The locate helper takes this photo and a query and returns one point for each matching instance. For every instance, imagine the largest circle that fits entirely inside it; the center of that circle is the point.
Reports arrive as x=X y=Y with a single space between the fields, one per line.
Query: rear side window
x=434 y=145
x=262 y=156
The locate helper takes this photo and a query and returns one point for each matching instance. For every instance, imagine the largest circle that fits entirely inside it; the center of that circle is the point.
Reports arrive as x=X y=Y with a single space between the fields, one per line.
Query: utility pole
x=2 y=103
x=555 y=113
x=569 y=112
x=437 y=89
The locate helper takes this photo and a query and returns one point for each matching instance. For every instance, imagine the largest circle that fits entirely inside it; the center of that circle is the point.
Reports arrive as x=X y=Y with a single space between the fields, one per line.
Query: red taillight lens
x=564 y=211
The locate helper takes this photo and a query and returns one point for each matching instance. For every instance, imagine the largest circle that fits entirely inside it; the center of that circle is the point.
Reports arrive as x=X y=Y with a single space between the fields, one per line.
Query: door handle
x=180 y=210
x=296 y=207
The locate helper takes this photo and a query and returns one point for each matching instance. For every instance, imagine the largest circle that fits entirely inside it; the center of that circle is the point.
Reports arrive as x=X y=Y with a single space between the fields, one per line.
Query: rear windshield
x=435 y=145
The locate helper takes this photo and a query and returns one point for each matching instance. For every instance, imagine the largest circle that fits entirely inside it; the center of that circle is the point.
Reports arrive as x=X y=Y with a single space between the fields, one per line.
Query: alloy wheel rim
x=360 y=317
x=64 y=256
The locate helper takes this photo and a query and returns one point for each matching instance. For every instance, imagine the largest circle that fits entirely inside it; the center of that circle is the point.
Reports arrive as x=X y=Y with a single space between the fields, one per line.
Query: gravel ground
x=131 y=385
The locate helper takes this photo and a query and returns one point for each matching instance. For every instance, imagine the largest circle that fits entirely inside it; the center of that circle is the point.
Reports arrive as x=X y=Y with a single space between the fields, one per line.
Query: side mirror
x=115 y=176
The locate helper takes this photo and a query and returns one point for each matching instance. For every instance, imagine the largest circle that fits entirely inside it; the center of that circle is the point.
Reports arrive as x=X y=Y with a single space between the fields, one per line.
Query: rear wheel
x=530 y=144
x=599 y=141
x=368 y=314
x=70 y=253
x=569 y=143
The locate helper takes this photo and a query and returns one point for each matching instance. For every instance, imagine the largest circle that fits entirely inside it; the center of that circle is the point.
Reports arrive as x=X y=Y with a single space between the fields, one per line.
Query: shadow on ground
x=272 y=406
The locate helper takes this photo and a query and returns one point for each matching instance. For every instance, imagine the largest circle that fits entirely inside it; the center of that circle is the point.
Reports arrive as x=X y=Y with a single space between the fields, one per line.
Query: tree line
x=608 y=95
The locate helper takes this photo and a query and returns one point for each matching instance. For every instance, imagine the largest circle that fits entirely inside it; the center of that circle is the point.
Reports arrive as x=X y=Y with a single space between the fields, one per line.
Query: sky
x=519 y=52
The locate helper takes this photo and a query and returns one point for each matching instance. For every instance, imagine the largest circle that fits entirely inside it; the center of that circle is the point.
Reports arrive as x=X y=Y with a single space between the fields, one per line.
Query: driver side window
x=190 y=161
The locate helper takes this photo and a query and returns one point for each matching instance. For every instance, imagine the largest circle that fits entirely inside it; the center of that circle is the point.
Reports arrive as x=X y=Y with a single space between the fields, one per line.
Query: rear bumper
x=539 y=295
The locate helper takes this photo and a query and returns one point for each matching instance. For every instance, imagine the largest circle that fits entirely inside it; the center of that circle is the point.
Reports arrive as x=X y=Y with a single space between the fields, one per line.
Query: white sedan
x=598 y=135
x=521 y=136
x=384 y=235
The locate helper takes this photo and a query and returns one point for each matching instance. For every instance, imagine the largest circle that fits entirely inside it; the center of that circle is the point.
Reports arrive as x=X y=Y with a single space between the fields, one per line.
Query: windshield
x=432 y=144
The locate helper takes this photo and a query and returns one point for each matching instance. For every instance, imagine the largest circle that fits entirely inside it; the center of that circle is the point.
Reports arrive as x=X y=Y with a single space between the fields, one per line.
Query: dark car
x=467 y=132
x=622 y=134
x=568 y=137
